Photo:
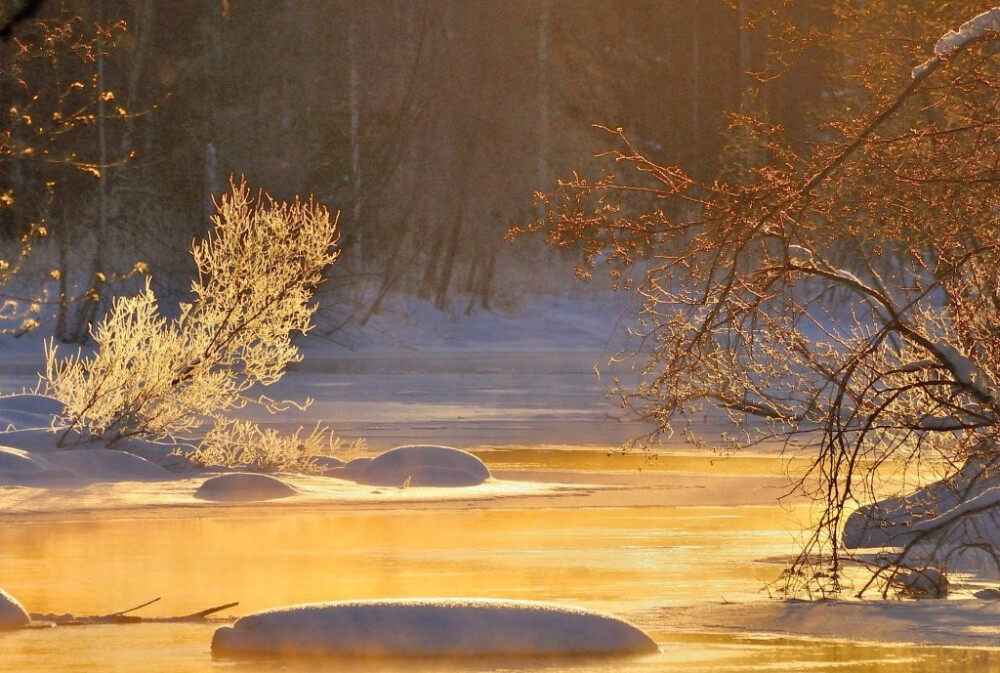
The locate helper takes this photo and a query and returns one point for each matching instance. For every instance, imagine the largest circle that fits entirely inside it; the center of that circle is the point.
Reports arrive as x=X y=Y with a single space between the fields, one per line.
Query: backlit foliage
x=841 y=298
x=156 y=377
x=52 y=102
x=245 y=444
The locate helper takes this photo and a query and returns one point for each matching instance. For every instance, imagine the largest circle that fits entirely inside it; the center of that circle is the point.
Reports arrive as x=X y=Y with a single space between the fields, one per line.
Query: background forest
x=429 y=124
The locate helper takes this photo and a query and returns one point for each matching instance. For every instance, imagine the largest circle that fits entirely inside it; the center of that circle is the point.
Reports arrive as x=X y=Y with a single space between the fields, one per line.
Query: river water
x=630 y=561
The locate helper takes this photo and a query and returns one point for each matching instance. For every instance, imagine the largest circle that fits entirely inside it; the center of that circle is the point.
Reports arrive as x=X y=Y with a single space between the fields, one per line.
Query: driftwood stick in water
x=125 y=612
x=201 y=614
x=124 y=618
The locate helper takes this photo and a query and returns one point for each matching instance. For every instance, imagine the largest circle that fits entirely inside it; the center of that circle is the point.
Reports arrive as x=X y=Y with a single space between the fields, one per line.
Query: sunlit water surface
x=626 y=561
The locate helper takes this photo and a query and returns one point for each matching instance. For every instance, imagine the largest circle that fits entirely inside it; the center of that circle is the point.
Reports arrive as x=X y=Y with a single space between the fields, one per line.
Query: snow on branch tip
x=954 y=40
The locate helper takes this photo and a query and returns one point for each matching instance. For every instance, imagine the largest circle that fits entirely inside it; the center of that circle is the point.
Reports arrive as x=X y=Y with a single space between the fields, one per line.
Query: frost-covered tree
x=844 y=293
x=153 y=377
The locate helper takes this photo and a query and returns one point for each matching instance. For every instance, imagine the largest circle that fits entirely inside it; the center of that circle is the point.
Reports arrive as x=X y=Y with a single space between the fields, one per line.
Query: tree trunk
x=354 y=100
x=543 y=97
x=448 y=266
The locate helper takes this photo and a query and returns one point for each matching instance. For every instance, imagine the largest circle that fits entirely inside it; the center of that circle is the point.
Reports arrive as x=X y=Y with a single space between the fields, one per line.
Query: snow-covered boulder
x=429 y=628
x=35 y=440
x=12 y=419
x=39 y=405
x=243 y=487
x=421 y=466
x=21 y=468
x=989 y=594
x=926 y=583
x=12 y=613
x=358 y=464
x=18 y=461
x=107 y=465
x=327 y=463
x=169 y=455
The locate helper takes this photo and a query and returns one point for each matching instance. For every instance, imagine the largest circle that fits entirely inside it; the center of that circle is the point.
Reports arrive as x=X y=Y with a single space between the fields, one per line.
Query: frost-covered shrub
x=150 y=376
x=245 y=444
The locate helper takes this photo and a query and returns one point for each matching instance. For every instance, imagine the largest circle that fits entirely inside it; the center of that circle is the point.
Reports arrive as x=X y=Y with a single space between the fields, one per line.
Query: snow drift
x=971 y=497
x=20 y=468
x=108 y=465
x=429 y=628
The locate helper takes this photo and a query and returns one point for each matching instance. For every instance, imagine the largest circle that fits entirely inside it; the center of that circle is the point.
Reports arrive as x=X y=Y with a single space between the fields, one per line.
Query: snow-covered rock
x=429 y=628
x=169 y=455
x=243 y=487
x=989 y=594
x=19 y=461
x=11 y=419
x=40 y=405
x=35 y=440
x=358 y=464
x=107 y=465
x=926 y=583
x=21 y=468
x=420 y=466
x=12 y=613
x=327 y=463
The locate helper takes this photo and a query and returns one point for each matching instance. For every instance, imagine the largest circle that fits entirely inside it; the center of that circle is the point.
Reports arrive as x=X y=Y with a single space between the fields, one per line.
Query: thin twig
x=125 y=612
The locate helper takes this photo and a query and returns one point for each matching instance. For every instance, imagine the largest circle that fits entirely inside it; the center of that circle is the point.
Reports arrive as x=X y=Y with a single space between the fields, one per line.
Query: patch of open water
x=625 y=561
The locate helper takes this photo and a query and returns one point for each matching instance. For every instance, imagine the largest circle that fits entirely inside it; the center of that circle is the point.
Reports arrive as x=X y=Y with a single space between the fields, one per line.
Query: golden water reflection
x=618 y=559
x=629 y=561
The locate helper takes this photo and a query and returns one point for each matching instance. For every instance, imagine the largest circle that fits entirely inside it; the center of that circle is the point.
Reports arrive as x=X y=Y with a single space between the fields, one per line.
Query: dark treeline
x=428 y=124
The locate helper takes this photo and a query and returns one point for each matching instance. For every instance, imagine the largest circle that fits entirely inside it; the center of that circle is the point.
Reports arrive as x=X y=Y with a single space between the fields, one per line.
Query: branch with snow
x=953 y=41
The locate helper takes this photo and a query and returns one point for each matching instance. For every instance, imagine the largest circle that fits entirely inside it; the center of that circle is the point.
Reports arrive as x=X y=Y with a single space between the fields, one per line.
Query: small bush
x=149 y=376
x=244 y=444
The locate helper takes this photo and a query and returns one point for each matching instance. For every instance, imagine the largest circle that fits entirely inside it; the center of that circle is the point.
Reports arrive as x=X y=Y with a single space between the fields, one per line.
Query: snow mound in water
x=12 y=613
x=421 y=466
x=243 y=487
x=429 y=628
x=107 y=465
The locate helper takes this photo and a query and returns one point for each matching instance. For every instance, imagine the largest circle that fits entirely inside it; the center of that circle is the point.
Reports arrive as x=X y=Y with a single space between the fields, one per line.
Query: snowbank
x=537 y=323
x=894 y=522
x=951 y=525
x=419 y=466
x=12 y=613
x=326 y=463
x=18 y=461
x=243 y=487
x=949 y=623
x=35 y=440
x=38 y=405
x=429 y=628
x=20 y=468
x=107 y=465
